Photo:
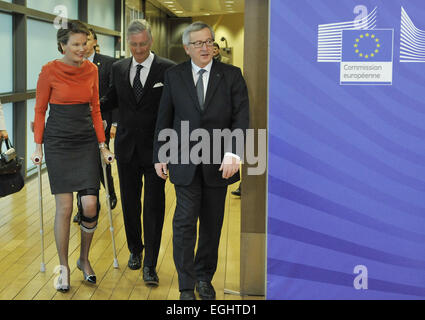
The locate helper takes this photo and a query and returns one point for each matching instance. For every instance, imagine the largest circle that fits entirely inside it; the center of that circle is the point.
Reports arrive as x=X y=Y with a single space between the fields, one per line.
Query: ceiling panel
x=190 y=8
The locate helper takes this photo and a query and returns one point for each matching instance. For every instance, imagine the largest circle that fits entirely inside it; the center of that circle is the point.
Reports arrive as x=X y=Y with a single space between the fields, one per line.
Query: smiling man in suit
x=208 y=95
x=136 y=88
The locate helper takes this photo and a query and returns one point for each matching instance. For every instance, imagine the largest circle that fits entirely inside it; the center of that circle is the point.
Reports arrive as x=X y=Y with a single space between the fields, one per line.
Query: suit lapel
x=215 y=78
x=97 y=61
x=126 y=74
x=187 y=76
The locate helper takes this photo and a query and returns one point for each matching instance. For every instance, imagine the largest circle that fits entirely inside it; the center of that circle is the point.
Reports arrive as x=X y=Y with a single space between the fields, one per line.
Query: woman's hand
x=3 y=135
x=37 y=156
x=107 y=155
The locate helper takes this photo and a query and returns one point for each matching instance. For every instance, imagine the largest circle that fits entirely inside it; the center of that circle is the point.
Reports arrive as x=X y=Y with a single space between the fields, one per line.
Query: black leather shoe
x=237 y=192
x=150 y=276
x=187 y=295
x=206 y=290
x=135 y=261
x=114 y=201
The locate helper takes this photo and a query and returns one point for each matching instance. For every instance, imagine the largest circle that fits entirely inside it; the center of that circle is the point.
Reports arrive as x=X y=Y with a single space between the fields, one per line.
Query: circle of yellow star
x=367 y=55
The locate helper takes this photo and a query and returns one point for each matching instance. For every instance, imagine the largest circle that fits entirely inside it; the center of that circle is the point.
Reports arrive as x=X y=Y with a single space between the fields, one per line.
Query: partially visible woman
x=72 y=138
x=3 y=132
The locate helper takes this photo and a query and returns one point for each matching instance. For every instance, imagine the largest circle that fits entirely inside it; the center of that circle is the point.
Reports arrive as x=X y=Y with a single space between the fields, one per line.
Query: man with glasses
x=136 y=88
x=205 y=94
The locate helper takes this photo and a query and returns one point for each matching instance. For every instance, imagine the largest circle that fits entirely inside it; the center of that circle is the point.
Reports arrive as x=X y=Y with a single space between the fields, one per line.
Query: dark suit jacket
x=136 y=121
x=104 y=66
x=226 y=107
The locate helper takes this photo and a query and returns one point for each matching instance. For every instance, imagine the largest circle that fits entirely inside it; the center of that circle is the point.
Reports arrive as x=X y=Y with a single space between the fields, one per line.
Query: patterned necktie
x=137 y=84
x=200 y=88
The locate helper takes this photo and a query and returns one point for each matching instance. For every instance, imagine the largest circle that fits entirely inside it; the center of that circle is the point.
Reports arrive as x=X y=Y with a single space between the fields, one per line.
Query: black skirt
x=71 y=149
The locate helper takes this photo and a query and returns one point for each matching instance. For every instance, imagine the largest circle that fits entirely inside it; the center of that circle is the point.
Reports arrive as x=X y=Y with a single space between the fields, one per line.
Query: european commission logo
x=367 y=57
x=365 y=53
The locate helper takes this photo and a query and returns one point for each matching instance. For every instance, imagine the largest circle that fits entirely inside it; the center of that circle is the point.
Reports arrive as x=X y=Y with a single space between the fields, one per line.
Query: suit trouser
x=206 y=203
x=131 y=184
x=108 y=167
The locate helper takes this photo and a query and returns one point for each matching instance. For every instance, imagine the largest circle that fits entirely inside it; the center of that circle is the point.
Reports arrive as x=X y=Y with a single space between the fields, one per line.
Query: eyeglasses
x=200 y=44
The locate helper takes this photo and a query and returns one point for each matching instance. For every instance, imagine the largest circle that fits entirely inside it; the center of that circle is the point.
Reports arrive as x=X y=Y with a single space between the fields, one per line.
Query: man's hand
x=229 y=166
x=161 y=170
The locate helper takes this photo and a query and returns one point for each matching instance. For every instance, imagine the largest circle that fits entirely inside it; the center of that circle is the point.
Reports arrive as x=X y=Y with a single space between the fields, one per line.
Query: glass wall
x=42 y=48
x=6 y=53
x=106 y=44
x=8 y=116
x=102 y=13
x=57 y=7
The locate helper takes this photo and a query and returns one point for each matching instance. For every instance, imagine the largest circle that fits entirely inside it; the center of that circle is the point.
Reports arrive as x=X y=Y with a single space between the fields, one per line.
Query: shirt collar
x=146 y=64
x=196 y=69
x=91 y=57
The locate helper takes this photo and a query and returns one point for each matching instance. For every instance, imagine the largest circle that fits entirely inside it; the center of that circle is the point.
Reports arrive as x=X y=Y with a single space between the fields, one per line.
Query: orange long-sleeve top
x=60 y=83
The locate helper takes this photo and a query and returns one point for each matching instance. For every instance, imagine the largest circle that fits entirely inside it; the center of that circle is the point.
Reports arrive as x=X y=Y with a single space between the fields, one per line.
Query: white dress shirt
x=205 y=78
x=144 y=72
x=91 y=57
x=205 y=75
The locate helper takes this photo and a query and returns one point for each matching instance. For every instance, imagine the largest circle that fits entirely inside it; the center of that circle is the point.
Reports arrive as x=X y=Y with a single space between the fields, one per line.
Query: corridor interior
x=20 y=252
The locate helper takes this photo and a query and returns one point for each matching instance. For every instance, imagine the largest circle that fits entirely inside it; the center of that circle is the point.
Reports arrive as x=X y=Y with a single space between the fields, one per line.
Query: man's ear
x=186 y=48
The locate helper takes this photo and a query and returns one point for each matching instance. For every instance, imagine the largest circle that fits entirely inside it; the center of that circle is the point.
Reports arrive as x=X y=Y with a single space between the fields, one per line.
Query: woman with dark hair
x=72 y=138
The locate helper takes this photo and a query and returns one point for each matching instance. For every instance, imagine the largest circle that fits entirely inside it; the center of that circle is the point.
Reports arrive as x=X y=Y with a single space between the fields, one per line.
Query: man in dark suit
x=104 y=65
x=136 y=89
x=205 y=95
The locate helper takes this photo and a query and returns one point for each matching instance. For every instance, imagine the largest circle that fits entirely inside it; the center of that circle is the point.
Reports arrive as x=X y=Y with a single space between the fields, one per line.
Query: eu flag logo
x=367 y=57
x=367 y=45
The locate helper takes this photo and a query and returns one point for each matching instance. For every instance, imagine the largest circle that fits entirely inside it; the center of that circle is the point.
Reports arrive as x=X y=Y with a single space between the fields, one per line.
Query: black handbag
x=11 y=180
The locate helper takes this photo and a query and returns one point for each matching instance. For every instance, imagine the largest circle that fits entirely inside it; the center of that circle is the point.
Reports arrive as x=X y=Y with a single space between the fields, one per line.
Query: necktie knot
x=139 y=67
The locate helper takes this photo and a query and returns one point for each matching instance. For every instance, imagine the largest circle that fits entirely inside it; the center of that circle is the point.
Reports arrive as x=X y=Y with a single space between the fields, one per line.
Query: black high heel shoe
x=90 y=278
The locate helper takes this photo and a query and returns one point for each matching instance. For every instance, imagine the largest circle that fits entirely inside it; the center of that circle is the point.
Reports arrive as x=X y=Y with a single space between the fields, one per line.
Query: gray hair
x=138 y=26
x=196 y=26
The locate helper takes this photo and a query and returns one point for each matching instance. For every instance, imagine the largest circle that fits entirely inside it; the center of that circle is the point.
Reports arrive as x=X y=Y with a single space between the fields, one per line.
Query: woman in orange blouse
x=72 y=137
